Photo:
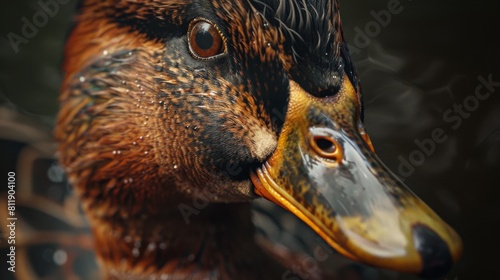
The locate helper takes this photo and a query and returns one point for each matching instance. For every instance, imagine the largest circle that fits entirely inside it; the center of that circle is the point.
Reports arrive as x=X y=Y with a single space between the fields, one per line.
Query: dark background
x=427 y=58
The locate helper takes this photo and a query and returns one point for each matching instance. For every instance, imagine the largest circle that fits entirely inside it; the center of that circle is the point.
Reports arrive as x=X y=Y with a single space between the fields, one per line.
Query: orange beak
x=325 y=171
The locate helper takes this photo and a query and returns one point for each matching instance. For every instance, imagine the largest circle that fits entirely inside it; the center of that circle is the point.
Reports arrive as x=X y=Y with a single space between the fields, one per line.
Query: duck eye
x=205 y=40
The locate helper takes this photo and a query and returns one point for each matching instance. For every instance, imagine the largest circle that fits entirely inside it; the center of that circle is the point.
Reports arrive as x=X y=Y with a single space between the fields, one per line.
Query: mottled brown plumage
x=138 y=128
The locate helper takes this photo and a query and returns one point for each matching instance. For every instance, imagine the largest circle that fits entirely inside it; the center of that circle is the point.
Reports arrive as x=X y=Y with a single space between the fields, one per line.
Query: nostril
x=326 y=145
x=435 y=253
x=326 y=148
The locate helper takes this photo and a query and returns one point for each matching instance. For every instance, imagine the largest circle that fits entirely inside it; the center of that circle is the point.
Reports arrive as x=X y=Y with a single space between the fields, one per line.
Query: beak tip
x=435 y=253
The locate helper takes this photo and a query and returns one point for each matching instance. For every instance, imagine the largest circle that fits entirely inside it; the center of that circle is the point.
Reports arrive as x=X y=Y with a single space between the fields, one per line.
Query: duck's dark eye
x=205 y=40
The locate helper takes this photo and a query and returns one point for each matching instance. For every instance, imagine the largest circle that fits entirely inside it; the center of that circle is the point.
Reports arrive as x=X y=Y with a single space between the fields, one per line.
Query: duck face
x=237 y=99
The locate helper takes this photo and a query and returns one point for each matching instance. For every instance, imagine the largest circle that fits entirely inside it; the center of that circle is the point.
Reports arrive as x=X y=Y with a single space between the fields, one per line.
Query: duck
x=176 y=115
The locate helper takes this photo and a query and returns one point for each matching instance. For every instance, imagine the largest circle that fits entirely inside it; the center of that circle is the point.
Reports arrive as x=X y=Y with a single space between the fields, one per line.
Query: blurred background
x=419 y=63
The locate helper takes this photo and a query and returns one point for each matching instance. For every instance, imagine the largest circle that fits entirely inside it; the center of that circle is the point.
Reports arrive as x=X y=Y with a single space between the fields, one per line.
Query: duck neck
x=216 y=242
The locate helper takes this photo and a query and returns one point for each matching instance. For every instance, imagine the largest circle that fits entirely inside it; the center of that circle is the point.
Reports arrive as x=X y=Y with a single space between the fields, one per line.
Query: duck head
x=235 y=100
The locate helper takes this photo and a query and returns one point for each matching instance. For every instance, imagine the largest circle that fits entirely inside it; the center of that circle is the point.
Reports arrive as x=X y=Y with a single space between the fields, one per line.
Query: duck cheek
x=235 y=140
x=261 y=143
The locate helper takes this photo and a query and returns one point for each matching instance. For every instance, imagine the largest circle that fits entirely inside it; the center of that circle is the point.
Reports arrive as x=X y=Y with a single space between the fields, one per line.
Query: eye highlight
x=205 y=40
